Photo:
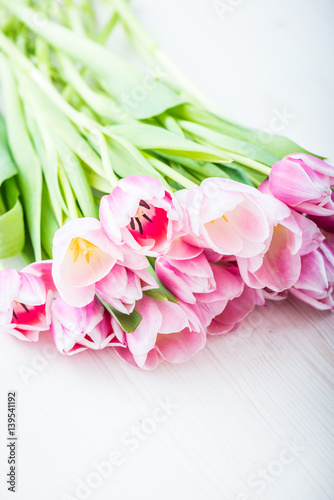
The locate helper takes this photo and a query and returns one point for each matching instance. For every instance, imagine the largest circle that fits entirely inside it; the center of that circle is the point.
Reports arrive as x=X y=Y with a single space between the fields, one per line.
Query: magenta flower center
x=149 y=222
x=24 y=315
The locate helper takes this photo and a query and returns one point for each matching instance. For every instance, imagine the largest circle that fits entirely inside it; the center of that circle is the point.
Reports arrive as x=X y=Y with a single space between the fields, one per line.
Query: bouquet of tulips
x=147 y=221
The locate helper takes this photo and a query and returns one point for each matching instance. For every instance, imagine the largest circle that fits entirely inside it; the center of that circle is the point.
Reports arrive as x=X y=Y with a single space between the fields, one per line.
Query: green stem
x=254 y=165
x=106 y=160
x=169 y=172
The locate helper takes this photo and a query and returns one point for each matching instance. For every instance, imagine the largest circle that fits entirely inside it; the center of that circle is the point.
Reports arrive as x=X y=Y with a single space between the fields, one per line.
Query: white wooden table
x=251 y=416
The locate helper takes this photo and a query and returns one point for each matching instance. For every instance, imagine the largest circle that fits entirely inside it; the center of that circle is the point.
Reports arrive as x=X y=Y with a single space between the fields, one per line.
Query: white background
x=252 y=414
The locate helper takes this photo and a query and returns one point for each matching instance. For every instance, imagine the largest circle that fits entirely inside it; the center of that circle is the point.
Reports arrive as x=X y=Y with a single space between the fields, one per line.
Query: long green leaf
x=228 y=143
x=127 y=160
x=7 y=167
x=27 y=162
x=12 y=235
x=49 y=223
x=149 y=137
x=77 y=179
x=277 y=145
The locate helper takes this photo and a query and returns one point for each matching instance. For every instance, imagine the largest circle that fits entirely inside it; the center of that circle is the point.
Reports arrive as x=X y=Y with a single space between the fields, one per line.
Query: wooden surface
x=249 y=417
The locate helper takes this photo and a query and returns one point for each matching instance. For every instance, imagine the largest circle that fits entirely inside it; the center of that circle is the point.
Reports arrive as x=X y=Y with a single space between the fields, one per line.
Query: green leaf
x=255 y=177
x=228 y=143
x=97 y=181
x=127 y=160
x=150 y=137
x=7 y=167
x=69 y=134
x=277 y=145
x=49 y=223
x=128 y=322
x=27 y=162
x=237 y=174
x=12 y=231
x=11 y=213
x=49 y=163
x=77 y=179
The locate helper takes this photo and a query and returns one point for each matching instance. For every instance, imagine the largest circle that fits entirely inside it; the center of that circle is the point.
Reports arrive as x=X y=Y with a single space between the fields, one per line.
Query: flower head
x=167 y=331
x=225 y=216
x=75 y=329
x=303 y=182
x=82 y=255
x=24 y=308
x=315 y=285
x=142 y=214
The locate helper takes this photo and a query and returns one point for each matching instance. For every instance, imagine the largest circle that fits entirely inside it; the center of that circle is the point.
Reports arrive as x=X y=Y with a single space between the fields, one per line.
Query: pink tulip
x=223 y=310
x=42 y=270
x=235 y=311
x=167 y=331
x=303 y=182
x=126 y=282
x=225 y=216
x=24 y=305
x=141 y=214
x=325 y=222
x=228 y=285
x=185 y=277
x=75 y=329
x=315 y=285
x=279 y=266
x=82 y=256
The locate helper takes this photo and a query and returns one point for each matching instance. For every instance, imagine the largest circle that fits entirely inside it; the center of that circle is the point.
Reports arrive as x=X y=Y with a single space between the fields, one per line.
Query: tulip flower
x=225 y=216
x=235 y=311
x=228 y=285
x=315 y=285
x=186 y=277
x=141 y=214
x=167 y=331
x=304 y=183
x=24 y=305
x=75 y=329
x=292 y=235
x=122 y=287
x=82 y=256
x=224 y=309
x=325 y=222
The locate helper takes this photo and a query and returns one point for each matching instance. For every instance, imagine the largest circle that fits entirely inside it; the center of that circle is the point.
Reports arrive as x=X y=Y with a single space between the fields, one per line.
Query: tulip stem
x=111 y=176
x=169 y=172
x=248 y=162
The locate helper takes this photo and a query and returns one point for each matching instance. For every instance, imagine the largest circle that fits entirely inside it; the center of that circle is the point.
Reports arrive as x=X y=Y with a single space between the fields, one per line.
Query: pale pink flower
x=82 y=256
x=315 y=285
x=142 y=214
x=225 y=216
x=168 y=331
x=291 y=236
x=325 y=222
x=304 y=183
x=75 y=329
x=185 y=277
x=24 y=305
x=235 y=311
x=126 y=282
x=224 y=309
x=222 y=298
